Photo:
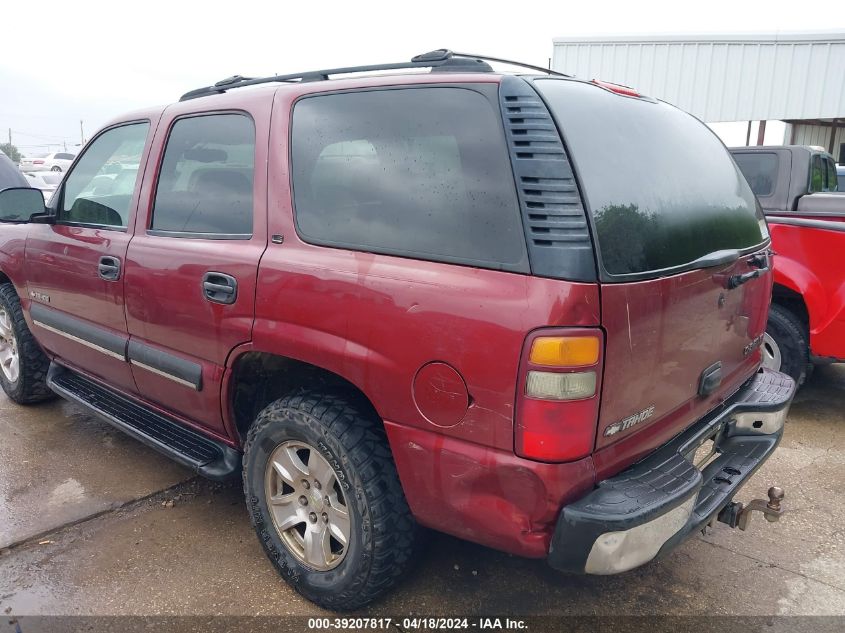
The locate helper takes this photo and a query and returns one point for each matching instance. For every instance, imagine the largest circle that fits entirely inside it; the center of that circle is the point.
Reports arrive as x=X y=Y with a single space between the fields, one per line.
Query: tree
x=11 y=151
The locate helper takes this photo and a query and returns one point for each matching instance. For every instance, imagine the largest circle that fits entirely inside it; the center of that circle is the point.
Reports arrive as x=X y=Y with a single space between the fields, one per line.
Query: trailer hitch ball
x=772 y=509
x=775 y=497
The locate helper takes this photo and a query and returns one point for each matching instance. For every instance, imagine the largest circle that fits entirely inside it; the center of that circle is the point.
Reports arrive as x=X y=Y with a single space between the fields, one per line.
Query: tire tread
x=394 y=530
x=34 y=364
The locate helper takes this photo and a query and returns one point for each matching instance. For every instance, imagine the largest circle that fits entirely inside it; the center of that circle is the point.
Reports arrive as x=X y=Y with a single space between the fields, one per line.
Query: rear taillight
x=38 y=162
x=558 y=394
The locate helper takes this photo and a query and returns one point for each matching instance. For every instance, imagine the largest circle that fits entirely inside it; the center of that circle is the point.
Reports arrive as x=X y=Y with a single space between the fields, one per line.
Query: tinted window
x=817 y=174
x=418 y=172
x=662 y=188
x=830 y=180
x=841 y=179
x=760 y=170
x=93 y=194
x=205 y=184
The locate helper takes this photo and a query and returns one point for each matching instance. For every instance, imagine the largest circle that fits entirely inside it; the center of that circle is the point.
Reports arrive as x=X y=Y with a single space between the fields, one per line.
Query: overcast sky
x=63 y=62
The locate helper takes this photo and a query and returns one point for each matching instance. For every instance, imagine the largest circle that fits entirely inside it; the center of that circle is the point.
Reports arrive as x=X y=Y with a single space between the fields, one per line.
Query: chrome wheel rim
x=307 y=505
x=771 y=353
x=9 y=361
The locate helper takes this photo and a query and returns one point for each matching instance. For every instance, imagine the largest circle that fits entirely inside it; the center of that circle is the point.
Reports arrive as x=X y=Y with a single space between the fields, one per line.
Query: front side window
x=206 y=178
x=419 y=172
x=99 y=189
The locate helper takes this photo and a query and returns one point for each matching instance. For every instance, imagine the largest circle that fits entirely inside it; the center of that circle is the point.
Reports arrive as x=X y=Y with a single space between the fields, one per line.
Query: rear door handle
x=219 y=288
x=109 y=268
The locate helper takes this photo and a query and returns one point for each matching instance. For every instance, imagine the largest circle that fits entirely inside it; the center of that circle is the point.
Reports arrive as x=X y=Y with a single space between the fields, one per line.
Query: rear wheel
x=23 y=365
x=785 y=346
x=325 y=500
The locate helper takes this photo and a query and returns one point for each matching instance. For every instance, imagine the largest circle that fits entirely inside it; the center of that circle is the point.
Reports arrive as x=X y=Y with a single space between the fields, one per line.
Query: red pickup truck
x=526 y=310
x=798 y=189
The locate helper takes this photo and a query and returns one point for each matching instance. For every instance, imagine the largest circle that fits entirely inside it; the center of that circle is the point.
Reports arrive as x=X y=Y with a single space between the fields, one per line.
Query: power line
x=43 y=137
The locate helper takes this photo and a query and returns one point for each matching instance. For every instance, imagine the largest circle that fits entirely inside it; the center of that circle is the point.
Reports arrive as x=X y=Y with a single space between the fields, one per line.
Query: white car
x=46 y=182
x=55 y=161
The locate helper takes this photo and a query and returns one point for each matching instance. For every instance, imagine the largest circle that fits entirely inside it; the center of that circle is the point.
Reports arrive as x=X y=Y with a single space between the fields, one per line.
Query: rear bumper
x=652 y=506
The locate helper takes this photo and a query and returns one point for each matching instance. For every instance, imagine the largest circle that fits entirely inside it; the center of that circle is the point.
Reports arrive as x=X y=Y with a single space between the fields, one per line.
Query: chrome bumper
x=652 y=506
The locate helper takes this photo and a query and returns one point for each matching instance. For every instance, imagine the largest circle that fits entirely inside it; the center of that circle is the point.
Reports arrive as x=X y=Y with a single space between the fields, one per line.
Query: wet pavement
x=58 y=466
x=191 y=550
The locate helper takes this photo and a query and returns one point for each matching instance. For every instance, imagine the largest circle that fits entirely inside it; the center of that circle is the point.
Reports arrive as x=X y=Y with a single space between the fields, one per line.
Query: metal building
x=795 y=77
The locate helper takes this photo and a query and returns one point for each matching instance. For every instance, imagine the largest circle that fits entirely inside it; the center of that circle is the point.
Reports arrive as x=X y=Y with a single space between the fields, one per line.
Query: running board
x=205 y=456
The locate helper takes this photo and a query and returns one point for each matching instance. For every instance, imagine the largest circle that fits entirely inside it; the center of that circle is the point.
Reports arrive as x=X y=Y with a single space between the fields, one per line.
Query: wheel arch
x=797 y=288
x=792 y=301
x=258 y=378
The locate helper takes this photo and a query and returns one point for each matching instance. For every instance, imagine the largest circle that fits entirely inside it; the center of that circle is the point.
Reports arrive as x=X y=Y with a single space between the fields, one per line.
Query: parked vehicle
x=798 y=190
x=390 y=302
x=54 y=161
x=10 y=176
x=45 y=182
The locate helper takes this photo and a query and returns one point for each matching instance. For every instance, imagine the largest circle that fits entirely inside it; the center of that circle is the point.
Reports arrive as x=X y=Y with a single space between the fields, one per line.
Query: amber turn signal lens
x=565 y=351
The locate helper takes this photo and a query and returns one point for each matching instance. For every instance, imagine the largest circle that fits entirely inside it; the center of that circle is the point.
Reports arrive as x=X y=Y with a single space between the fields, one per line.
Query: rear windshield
x=662 y=188
x=760 y=170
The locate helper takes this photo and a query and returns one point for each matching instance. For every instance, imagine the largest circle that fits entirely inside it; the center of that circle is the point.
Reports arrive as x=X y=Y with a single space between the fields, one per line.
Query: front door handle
x=219 y=288
x=108 y=268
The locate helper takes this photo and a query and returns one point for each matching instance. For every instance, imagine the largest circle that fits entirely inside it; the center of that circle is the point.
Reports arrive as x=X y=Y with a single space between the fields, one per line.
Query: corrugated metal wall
x=818 y=135
x=721 y=77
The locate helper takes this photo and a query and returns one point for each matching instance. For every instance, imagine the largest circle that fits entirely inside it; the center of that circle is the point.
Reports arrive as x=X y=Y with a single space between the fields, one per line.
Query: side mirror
x=19 y=204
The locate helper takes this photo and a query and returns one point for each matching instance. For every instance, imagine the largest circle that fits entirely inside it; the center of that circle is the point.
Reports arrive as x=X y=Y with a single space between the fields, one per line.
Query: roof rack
x=440 y=60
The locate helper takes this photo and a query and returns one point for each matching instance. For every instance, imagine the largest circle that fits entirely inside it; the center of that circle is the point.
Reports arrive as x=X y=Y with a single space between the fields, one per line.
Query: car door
x=74 y=267
x=192 y=267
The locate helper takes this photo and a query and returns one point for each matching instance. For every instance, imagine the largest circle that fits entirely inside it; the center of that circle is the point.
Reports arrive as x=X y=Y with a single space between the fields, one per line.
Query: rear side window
x=760 y=170
x=420 y=172
x=205 y=182
x=662 y=188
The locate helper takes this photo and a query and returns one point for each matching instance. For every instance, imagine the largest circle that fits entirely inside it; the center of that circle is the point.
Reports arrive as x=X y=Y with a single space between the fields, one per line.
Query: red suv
x=525 y=310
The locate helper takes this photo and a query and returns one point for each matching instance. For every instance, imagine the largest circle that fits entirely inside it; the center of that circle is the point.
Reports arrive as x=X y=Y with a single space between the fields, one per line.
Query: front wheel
x=785 y=346
x=55 y=168
x=325 y=500
x=23 y=365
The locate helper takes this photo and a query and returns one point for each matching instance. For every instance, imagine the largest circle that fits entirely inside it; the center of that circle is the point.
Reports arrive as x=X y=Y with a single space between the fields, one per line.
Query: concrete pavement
x=198 y=555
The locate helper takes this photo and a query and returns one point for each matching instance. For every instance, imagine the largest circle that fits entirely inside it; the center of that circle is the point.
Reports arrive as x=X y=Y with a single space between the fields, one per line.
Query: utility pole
x=10 y=137
x=81 y=134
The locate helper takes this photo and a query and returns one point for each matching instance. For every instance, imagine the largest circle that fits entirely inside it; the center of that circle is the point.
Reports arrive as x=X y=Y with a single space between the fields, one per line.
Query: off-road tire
x=384 y=537
x=31 y=385
x=790 y=334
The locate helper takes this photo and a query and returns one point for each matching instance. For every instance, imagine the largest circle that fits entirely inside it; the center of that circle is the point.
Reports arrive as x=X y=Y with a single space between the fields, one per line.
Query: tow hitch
x=735 y=514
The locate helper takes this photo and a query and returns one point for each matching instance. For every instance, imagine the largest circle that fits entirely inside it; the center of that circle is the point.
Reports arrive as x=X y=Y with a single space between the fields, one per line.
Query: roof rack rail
x=440 y=60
